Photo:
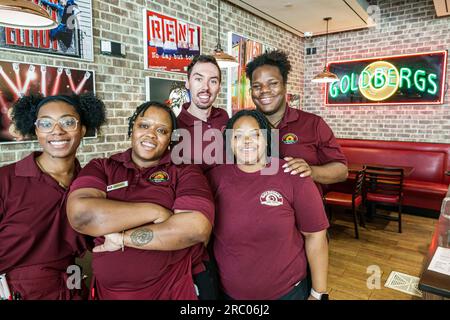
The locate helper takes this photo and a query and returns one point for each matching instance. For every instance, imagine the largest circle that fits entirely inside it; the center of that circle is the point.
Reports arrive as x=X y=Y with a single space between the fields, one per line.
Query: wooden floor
x=379 y=245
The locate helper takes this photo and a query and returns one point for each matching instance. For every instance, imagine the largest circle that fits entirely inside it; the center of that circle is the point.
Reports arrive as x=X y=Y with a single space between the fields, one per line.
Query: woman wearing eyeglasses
x=37 y=244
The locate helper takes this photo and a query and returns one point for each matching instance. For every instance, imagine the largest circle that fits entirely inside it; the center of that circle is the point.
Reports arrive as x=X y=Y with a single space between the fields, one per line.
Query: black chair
x=350 y=200
x=384 y=185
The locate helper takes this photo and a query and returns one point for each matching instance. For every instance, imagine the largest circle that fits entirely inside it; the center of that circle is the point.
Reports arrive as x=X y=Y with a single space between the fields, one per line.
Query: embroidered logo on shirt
x=271 y=198
x=290 y=138
x=159 y=176
x=116 y=186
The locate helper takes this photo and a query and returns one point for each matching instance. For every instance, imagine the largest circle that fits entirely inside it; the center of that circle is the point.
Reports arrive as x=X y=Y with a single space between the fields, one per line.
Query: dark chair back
x=384 y=181
x=359 y=182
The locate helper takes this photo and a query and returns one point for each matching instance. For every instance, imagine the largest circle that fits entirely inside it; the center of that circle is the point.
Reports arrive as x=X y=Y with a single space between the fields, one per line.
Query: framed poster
x=410 y=79
x=293 y=100
x=169 y=43
x=71 y=38
x=172 y=92
x=18 y=79
x=244 y=50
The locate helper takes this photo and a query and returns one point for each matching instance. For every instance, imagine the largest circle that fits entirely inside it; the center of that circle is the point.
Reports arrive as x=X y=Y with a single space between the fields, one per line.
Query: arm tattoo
x=141 y=237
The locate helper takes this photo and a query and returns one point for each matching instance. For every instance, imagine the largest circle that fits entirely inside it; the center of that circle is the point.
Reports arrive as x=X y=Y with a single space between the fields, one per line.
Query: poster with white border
x=170 y=91
x=169 y=43
x=72 y=38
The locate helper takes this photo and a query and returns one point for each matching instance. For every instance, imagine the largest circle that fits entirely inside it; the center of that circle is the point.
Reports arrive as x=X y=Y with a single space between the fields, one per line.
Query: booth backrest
x=430 y=160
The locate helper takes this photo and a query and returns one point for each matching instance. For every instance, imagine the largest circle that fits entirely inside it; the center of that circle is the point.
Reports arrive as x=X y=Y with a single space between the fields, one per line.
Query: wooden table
x=353 y=167
x=436 y=285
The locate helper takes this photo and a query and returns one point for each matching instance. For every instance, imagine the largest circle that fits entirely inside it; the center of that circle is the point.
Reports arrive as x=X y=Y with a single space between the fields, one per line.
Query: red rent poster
x=170 y=42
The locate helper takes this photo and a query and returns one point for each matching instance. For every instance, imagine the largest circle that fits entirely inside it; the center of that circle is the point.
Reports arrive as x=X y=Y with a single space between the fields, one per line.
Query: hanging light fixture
x=326 y=76
x=223 y=59
x=25 y=14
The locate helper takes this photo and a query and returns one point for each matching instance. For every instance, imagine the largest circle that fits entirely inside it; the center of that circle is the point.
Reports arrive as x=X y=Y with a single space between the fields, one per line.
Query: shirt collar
x=290 y=115
x=125 y=158
x=189 y=120
x=27 y=167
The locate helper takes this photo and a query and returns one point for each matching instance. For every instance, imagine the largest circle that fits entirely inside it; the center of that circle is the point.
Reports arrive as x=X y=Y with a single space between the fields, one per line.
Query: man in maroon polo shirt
x=201 y=142
x=200 y=118
x=306 y=141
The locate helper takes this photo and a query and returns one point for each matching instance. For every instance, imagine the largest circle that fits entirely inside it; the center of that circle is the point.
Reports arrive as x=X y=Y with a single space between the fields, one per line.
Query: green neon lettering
x=347 y=88
x=379 y=78
x=432 y=81
x=419 y=80
x=354 y=82
x=405 y=74
x=364 y=80
x=392 y=78
x=334 y=89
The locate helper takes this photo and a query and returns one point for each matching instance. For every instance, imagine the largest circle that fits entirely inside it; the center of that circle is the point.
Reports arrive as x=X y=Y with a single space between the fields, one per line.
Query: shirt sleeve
x=193 y=192
x=329 y=150
x=310 y=214
x=93 y=175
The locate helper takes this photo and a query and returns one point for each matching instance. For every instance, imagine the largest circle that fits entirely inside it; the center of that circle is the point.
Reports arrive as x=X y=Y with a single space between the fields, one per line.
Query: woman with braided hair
x=150 y=218
x=37 y=242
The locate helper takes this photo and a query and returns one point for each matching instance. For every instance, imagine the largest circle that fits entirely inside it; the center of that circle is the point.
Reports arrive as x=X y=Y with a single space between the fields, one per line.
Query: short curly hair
x=276 y=58
x=88 y=106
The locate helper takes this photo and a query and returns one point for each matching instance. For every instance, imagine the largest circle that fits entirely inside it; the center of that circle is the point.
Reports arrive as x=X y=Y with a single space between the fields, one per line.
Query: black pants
x=299 y=292
x=207 y=282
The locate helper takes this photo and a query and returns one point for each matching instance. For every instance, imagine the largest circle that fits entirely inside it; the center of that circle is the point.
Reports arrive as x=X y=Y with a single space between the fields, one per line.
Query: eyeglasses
x=47 y=125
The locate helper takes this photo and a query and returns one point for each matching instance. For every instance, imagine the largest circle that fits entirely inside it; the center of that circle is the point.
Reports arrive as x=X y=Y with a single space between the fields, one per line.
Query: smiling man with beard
x=198 y=116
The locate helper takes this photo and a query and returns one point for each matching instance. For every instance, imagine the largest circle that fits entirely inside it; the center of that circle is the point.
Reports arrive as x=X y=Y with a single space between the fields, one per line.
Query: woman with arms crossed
x=151 y=219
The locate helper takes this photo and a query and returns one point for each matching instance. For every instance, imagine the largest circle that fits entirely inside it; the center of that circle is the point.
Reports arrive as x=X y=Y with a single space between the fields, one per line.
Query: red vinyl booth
x=427 y=185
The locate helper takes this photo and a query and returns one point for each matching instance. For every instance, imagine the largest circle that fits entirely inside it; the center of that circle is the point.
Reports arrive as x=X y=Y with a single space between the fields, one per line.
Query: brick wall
x=404 y=27
x=121 y=81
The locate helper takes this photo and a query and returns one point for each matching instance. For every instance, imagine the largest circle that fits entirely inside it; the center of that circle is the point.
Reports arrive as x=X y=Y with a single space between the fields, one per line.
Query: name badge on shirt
x=116 y=186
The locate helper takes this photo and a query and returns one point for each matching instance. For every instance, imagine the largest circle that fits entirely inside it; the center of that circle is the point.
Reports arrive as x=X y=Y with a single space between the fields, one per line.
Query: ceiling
x=302 y=16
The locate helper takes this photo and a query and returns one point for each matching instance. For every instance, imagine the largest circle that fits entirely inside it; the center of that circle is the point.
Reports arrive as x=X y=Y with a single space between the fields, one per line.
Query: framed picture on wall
x=169 y=43
x=72 y=38
x=172 y=92
x=244 y=50
x=293 y=100
x=18 y=79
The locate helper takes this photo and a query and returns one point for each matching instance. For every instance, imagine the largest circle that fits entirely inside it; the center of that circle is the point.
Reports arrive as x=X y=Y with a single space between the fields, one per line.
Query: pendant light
x=326 y=76
x=25 y=14
x=223 y=59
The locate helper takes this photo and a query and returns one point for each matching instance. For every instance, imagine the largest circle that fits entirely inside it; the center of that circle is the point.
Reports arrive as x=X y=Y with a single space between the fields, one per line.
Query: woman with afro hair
x=37 y=243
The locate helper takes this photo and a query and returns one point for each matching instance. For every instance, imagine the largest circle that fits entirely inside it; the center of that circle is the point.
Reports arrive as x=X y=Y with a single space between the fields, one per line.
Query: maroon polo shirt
x=217 y=119
x=307 y=136
x=258 y=246
x=33 y=223
x=173 y=187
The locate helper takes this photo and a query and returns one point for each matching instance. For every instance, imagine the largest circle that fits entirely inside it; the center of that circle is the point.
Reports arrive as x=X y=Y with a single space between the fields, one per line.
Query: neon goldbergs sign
x=406 y=79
